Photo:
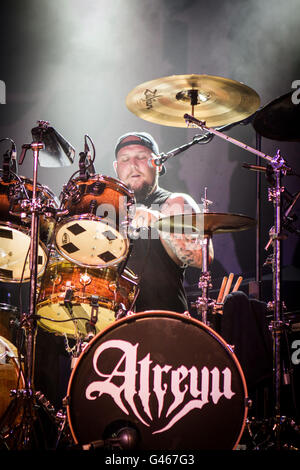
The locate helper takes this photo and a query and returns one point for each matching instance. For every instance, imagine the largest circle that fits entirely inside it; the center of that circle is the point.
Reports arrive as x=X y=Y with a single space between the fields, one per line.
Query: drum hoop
x=86 y=216
x=109 y=179
x=95 y=266
x=43 y=187
x=160 y=313
x=69 y=267
x=8 y=307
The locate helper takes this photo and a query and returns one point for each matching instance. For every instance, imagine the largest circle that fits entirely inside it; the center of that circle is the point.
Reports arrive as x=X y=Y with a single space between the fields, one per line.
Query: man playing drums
x=158 y=259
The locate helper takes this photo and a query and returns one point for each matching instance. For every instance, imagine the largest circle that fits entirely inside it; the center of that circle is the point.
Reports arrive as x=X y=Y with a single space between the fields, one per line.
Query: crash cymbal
x=215 y=100
x=279 y=119
x=207 y=223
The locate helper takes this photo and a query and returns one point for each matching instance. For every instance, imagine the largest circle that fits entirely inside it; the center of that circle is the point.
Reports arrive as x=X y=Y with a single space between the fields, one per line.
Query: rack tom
x=93 y=232
x=15 y=228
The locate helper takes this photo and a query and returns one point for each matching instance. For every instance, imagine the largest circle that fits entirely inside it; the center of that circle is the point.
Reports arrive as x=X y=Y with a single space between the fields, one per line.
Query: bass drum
x=168 y=378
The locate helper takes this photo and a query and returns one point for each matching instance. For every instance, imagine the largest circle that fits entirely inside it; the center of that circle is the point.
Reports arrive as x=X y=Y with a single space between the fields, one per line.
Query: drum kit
x=150 y=390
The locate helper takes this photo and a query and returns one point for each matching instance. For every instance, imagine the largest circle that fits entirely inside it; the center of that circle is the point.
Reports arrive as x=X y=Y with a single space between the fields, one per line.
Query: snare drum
x=15 y=230
x=168 y=378
x=94 y=231
x=69 y=291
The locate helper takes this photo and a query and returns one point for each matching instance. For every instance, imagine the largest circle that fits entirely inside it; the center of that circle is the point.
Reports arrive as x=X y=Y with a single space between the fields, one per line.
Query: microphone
x=88 y=155
x=126 y=439
x=155 y=162
x=13 y=159
x=5 y=166
x=9 y=162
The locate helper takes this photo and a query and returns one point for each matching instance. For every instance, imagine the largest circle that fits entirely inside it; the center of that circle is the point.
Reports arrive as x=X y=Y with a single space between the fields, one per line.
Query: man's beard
x=142 y=193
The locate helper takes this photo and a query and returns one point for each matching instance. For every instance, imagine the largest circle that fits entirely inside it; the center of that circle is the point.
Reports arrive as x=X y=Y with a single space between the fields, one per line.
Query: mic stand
x=258 y=220
x=21 y=436
x=163 y=157
x=202 y=139
x=279 y=168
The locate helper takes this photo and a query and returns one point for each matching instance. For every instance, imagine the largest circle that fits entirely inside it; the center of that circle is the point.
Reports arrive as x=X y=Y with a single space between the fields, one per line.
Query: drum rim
x=95 y=266
x=114 y=268
x=85 y=216
x=104 y=178
x=160 y=313
x=40 y=186
x=8 y=307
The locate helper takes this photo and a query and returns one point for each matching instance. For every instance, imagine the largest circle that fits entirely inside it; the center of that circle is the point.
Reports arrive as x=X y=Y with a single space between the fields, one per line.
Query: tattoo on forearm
x=187 y=249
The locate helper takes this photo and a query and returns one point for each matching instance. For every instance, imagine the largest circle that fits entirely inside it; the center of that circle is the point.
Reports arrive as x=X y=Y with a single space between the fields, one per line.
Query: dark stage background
x=73 y=63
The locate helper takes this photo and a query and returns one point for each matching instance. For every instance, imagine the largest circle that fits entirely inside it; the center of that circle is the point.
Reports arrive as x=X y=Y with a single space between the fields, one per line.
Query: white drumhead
x=90 y=243
x=13 y=254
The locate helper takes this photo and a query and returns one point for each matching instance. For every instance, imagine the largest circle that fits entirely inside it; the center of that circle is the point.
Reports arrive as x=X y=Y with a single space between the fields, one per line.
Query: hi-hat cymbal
x=215 y=100
x=206 y=223
x=279 y=119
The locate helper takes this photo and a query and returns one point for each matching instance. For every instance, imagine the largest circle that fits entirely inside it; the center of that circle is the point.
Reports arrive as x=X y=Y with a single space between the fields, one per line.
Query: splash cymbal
x=207 y=223
x=215 y=100
x=279 y=119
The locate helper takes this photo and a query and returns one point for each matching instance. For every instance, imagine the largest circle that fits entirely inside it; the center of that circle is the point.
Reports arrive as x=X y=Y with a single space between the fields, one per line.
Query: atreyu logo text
x=187 y=388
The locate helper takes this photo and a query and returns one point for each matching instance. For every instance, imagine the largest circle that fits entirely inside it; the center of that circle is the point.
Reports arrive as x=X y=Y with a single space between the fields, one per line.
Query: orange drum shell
x=86 y=282
x=46 y=224
x=111 y=192
x=10 y=375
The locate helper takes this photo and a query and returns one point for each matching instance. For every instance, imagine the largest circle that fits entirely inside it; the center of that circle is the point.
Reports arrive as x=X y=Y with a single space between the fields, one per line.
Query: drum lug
x=66 y=401
x=248 y=402
x=98 y=187
x=93 y=207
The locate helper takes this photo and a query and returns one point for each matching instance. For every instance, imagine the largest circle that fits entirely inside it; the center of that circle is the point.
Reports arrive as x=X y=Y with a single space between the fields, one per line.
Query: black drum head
x=167 y=378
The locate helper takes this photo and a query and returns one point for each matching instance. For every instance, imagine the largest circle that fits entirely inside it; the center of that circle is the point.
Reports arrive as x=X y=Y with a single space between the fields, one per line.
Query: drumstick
x=237 y=284
x=222 y=290
x=227 y=288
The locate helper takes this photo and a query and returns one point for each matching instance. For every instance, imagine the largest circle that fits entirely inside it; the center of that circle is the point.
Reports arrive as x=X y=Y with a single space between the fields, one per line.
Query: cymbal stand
x=278 y=168
x=277 y=324
x=204 y=304
x=20 y=437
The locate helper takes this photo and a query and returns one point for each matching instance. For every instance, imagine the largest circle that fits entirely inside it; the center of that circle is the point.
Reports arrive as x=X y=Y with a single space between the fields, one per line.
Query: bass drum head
x=168 y=377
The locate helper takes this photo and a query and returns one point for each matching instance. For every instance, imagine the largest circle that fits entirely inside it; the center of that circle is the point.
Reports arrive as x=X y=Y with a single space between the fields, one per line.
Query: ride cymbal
x=207 y=223
x=215 y=100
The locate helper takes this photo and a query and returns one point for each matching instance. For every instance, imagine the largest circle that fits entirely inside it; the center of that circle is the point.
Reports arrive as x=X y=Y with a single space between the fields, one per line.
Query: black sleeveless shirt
x=160 y=278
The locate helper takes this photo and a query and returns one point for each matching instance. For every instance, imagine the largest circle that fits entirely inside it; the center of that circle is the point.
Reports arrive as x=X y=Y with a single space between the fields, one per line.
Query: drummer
x=158 y=260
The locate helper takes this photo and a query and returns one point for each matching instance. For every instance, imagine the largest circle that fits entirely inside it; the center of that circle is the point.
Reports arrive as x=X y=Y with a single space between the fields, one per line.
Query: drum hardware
x=95 y=309
x=277 y=167
x=86 y=162
x=25 y=398
x=206 y=223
